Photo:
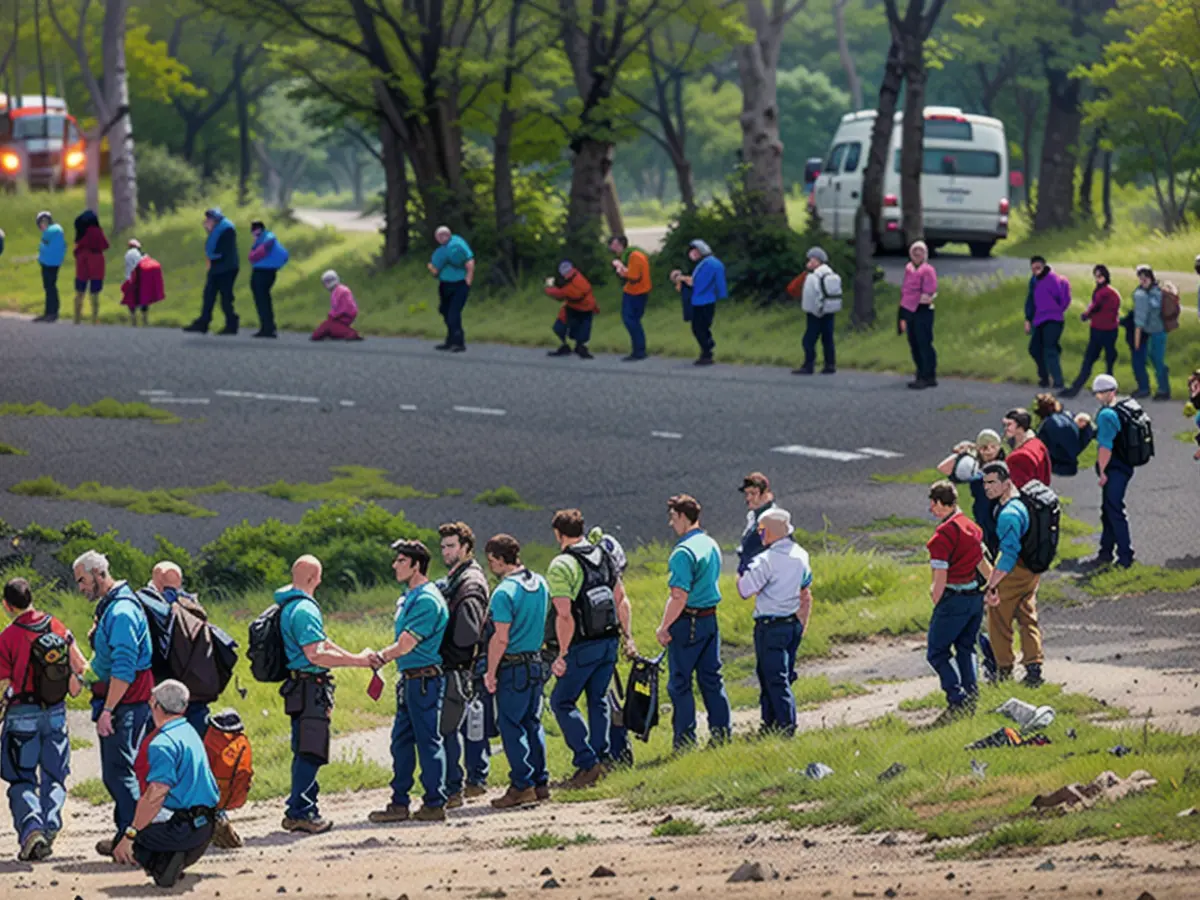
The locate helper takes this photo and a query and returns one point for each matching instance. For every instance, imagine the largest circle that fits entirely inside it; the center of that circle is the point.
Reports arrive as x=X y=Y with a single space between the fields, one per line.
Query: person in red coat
x=90 y=244
x=1029 y=459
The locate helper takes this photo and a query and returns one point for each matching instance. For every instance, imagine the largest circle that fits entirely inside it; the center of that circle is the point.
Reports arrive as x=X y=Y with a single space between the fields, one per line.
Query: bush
x=760 y=257
x=165 y=182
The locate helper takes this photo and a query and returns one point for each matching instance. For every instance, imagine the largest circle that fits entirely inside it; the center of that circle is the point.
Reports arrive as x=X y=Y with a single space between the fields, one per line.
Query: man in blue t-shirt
x=308 y=692
x=173 y=823
x=520 y=604
x=1115 y=474
x=689 y=626
x=707 y=286
x=453 y=264
x=421 y=619
x=51 y=253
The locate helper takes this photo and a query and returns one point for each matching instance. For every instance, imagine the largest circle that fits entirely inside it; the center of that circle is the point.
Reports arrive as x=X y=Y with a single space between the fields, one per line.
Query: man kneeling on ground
x=173 y=823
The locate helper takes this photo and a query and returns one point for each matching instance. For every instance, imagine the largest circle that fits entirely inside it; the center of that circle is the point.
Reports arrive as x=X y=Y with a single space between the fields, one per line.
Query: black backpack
x=50 y=661
x=1135 y=442
x=186 y=647
x=1039 y=546
x=641 y=697
x=595 y=607
x=268 y=658
x=468 y=618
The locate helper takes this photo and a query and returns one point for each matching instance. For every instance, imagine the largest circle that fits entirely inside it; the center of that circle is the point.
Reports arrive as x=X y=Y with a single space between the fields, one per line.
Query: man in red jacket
x=1029 y=458
x=575 y=316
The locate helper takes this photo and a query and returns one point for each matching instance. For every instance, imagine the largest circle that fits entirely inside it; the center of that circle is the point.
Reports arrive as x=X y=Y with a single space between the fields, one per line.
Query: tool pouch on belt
x=454 y=705
x=311 y=702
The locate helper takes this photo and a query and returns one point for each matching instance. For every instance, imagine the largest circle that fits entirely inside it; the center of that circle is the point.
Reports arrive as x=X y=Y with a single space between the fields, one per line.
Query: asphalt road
x=611 y=438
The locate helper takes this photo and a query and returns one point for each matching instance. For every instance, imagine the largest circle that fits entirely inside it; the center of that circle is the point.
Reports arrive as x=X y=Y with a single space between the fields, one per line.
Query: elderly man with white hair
x=173 y=823
x=121 y=663
x=781 y=581
x=917 y=294
x=453 y=264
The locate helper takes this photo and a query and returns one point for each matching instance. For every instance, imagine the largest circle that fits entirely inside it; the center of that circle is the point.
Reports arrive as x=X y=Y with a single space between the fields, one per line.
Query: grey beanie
x=701 y=247
x=214 y=213
x=818 y=254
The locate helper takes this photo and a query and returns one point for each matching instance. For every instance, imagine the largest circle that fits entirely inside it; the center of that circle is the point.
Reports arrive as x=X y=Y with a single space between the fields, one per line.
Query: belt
x=773 y=620
x=423 y=672
x=516 y=659
x=973 y=588
x=694 y=612
x=319 y=678
x=192 y=814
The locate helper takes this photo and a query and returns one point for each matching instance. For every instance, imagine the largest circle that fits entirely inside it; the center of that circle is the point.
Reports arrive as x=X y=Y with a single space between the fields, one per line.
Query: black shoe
x=931 y=382
x=1033 y=676
x=583 y=352
x=1094 y=562
x=564 y=350
x=230 y=328
x=1163 y=395
x=459 y=348
x=1043 y=382
x=46 y=318
x=197 y=327
x=264 y=334
x=803 y=370
x=703 y=361
x=1140 y=394
x=919 y=385
x=1124 y=565
x=1068 y=393
x=172 y=871
x=444 y=347
x=633 y=357
x=829 y=370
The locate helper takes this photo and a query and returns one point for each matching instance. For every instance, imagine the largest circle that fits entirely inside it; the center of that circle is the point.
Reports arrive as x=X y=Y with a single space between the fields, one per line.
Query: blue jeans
x=1099 y=342
x=452 y=298
x=468 y=758
x=633 y=307
x=302 y=801
x=117 y=754
x=819 y=328
x=519 y=715
x=578 y=327
x=35 y=759
x=1157 y=346
x=953 y=628
x=1046 y=349
x=776 y=642
x=590 y=667
x=695 y=650
x=416 y=734
x=1114 y=531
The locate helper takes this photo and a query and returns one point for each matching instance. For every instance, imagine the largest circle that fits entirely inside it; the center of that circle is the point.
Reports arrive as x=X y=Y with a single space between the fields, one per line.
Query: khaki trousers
x=1018 y=600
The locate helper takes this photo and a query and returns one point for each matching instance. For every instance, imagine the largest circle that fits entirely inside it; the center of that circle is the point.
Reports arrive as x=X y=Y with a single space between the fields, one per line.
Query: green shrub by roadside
x=504 y=496
x=548 y=840
x=101 y=409
x=682 y=827
x=10 y=450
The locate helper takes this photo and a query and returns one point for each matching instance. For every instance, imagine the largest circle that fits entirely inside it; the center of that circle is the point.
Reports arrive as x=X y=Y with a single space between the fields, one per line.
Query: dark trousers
x=157 y=844
x=702 y=322
x=117 y=754
x=302 y=799
x=197 y=716
x=590 y=667
x=261 y=282
x=776 y=642
x=214 y=285
x=1098 y=342
x=920 y=342
x=950 y=648
x=1046 y=349
x=1114 y=532
x=695 y=651
x=50 y=287
x=633 y=307
x=519 y=715
x=417 y=734
x=578 y=327
x=452 y=298
x=819 y=328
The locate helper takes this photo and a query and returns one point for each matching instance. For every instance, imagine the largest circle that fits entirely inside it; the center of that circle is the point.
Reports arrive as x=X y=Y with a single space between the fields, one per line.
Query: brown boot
x=475 y=790
x=225 y=836
x=430 y=814
x=454 y=801
x=584 y=778
x=392 y=813
x=515 y=797
x=310 y=825
x=543 y=792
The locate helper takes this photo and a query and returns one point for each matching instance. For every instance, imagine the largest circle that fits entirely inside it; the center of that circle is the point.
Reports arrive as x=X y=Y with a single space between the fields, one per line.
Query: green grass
x=682 y=827
x=90 y=790
x=548 y=840
x=503 y=496
x=10 y=450
x=1140 y=579
x=101 y=409
x=79 y=743
x=148 y=503
x=924 y=476
x=891 y=522
x=348 y=483
x=963 y=407
x=1185 y=437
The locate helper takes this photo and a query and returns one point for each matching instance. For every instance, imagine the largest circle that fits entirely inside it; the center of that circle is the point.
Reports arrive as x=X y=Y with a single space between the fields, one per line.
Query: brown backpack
x=1170 y=306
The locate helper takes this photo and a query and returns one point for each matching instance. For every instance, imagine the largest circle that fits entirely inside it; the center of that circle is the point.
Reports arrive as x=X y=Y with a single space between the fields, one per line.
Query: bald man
x=453 y=265
x=308 y=692
x=166 y=587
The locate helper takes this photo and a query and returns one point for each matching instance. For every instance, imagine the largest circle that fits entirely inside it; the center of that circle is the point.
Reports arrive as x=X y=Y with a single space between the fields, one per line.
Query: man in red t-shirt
x=955 y=555
x=1029 y=458
x=35 y=750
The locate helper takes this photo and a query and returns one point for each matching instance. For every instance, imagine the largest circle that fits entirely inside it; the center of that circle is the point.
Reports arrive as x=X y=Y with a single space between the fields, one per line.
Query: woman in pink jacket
x=342 y=312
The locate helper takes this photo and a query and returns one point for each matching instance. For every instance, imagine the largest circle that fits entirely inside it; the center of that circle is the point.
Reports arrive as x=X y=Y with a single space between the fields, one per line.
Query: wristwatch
x=110 y=710
x=131 y=833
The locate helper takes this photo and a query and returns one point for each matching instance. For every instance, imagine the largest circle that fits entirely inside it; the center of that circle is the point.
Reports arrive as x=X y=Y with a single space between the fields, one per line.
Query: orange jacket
x=637 y=275
x=576 y=293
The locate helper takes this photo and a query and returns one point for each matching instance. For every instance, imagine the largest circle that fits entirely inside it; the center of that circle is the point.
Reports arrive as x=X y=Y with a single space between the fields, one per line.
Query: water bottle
x=475 y=721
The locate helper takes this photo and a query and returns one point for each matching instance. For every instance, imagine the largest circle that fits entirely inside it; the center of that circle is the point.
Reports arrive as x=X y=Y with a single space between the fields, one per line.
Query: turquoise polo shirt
x=522 y=601
x=423 y=614
x=450 y=259
x=177 y=759
x=1011 y=524
x=302 y=624
x=695 y=567
x=1108 y=426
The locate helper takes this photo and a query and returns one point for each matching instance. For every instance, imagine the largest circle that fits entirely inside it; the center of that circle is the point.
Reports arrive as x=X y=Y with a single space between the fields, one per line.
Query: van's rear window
x=948 y=129
x=963 y=163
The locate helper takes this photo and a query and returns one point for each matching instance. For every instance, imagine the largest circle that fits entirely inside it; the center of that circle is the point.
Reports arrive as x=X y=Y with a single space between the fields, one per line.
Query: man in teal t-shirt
x=52 y=251
x=453 y=264
x=519 y=606
x=689 y=626
x=421 y=619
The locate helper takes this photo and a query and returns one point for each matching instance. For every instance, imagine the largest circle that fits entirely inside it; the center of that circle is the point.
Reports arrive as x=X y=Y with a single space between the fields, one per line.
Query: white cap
x=1102 y=383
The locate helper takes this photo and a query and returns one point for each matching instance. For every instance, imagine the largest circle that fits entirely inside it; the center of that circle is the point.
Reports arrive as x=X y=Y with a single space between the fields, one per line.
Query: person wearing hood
x=1046 y=304
x=338 y=326
x=308 y=692
x=90 y=244
x=519 y=606
x=707 y=286
x=52 y=251
x=821 y=300
x=1103 y=314
x=1149 y=336
x=220 y=249
x=575 y=316
x=267 y=257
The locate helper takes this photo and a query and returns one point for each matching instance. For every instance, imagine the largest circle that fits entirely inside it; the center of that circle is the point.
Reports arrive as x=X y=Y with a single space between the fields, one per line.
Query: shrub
x=165 y=182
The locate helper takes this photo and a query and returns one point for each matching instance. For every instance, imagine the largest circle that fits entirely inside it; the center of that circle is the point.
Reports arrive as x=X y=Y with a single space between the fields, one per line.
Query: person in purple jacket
x=1046 y=305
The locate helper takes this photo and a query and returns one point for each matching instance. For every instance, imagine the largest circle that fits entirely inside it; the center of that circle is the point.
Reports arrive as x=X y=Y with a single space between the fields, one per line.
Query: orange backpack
x=230 y=758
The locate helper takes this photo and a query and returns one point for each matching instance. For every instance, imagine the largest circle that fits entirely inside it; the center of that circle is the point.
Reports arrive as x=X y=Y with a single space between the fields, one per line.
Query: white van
x=964 y=180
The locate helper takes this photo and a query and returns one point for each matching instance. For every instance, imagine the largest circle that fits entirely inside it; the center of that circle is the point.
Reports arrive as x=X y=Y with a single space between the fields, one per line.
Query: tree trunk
x=120 y=137
x=504 y=196
x=243 y=117
x=585 y=207
x=762 y=149
x=92 y=168
x=1056 y=179
x=395 y=197
x=356 y=177
x=912 y=137
x=1106 y=191
x=687 y=187
x=1089 y=177
x=853 y=82
x=611 y=203
x=866 y=222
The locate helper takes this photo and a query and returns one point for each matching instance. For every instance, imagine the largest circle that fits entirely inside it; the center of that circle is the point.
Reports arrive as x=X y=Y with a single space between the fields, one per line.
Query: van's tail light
x=893 y=225
x=1004 y=207
x=891 y=200
x=10 y=163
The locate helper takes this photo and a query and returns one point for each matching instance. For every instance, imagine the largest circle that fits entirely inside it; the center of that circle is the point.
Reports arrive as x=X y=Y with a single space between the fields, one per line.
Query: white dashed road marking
x=818 y=453
x=155 y=393
x=407 y=407
x=882 y=454
x=197 y=401
x=345 y=403
x=481 y=410
x=283 y=398
x=667 y=435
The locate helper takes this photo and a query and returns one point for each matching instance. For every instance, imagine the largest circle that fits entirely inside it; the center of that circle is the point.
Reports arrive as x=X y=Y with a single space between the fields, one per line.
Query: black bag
x=1135 y=442
x=641 y=697
x=1039 y=546
x=268 y=659
x=595 y=607
x=50 y=661
x=186 y=647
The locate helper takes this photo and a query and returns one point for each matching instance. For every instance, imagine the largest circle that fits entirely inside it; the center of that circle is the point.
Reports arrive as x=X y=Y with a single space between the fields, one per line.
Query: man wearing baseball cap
x=1115 y=474
x=756 y=488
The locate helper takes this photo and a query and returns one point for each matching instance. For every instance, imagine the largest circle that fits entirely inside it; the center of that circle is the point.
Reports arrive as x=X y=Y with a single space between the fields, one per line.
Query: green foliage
x=548 y=840
x=10 y=450
x=348 y=483
x=90 y=790
x=923 y=476
x=144 y=502
x=503 y=496
x=107 y=408
x=681 y=827
x=1141 y=579
x=814 y=109
x=165 y=181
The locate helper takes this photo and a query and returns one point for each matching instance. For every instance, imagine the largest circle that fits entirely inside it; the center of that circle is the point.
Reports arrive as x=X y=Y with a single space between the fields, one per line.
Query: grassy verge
x=548 y=840
x=504 y=496
x=1140 y=579
x=101 y=409
x=10 y=450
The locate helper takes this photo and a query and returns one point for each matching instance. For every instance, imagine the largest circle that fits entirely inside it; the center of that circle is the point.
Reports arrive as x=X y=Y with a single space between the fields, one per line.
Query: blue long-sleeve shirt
x=1012 y=521
x=708 y=282
x=122 y=638
x=53 y=248
x=1065 y=440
